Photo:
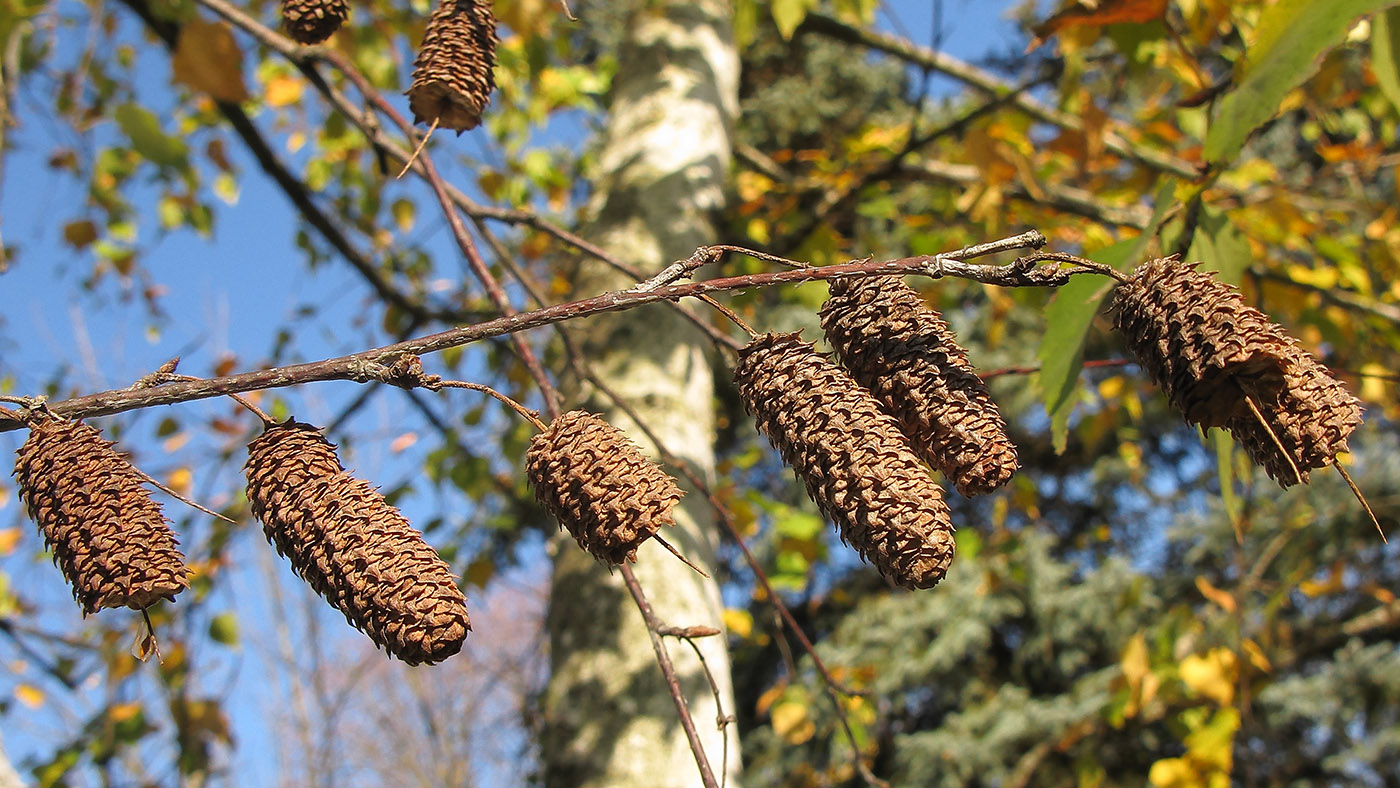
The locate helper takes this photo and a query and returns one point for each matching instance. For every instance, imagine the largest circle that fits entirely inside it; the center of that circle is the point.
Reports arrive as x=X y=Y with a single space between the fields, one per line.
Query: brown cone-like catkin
x=898 y=347
x=597 y=484
x=107 y=535
x=1211 y=353
x=1199 y=341
x=354 y=548
x=313 y=21
x=453 y=74
x=1311 y=415
x=851 y=456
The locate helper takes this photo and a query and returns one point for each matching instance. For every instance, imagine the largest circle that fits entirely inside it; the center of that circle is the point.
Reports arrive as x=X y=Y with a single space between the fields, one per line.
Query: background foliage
x=1139 y=607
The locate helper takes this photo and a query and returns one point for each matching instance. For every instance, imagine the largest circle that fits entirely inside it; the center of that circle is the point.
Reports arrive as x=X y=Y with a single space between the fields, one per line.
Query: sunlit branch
x=376 y=364
x=984 y=81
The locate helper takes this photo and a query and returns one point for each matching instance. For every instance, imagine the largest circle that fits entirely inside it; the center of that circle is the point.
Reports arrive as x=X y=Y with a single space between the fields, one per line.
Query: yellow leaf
x=180 y=480
x=1216 y=595
x=1256 y=656
x=1212 y=676
x=1134 y=661
x=1137 y=671
x=207 y=59
x=9 y=537
x=124 y=711
x=283 y=90
x=1211 y=747
x=790 y=722
x=738 y=622
x=769 y=695
x=480 y=571
x=29 y=695
x=1173 y=773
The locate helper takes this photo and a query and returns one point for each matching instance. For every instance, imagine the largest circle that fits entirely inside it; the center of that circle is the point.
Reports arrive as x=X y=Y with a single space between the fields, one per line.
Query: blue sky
x=227 y=294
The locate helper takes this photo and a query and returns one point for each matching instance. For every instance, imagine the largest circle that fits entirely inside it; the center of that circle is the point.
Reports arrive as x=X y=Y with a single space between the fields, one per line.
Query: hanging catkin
x=354 y=548
x=107 y=535
x=313 y=21
x=1213 y=355
x=901 y=350
x=1199 y=341
x=1312 y=415
x=453 y=75
x=851 y=456
x=599 y=486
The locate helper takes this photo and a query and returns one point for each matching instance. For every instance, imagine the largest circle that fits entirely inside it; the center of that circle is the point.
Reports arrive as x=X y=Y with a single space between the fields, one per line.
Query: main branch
x=372 y=364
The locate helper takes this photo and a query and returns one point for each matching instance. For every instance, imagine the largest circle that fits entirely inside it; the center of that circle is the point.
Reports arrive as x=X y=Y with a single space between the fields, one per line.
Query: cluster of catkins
x=357 y=551
x=861 y=436
x=453 y=73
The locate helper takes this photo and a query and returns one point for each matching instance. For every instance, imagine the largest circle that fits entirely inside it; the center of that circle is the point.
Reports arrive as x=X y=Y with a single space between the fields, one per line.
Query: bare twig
x=525 y=413
x=668 y=671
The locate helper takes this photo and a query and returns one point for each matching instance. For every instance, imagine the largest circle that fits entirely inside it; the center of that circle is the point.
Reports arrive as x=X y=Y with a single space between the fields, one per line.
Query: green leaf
x=147 y=139
x=1071 y=312
x=1385 y=53
x=1225 y=465
x=788 y=15
x=1291 y=39
x=1067 y=321
x=1219 y=246
x=797 y=524
x=224 y=629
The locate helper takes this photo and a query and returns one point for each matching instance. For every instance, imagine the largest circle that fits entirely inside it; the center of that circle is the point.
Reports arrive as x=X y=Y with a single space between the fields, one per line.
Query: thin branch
x=1064 y=197
x=1343 y=298
x=969 y=74
x=372 y=364
x=668 y=670
x=294 y=189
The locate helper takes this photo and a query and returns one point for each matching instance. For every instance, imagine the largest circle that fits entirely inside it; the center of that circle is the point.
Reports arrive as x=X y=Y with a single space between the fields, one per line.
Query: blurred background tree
x=1139 y=606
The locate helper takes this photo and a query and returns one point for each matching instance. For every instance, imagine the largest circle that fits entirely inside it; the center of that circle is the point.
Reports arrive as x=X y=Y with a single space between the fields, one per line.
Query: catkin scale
x=1212 y=355
x=597 y=484
x=901 y=350
x=352 y=547
x=108 y=536
x=850 y=455
x=453 y=74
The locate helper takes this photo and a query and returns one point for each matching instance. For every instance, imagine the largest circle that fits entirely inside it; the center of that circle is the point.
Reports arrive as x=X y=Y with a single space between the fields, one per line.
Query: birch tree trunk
x=9 y=778
x=660 y=177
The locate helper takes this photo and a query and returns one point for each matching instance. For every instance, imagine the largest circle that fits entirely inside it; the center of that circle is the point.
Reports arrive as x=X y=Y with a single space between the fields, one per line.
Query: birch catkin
x=1214 y=357
x=108 y=536
x=453 y=75
x=901 y=350
x=354 y=548
x=313 y=21
x=851 y=456
x=599 y=486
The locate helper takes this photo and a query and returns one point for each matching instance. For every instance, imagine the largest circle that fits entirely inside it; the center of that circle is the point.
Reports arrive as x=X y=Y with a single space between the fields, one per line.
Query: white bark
x=9 y=778
x=661 y=172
